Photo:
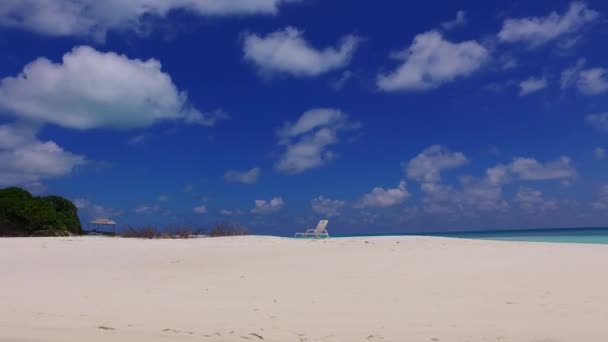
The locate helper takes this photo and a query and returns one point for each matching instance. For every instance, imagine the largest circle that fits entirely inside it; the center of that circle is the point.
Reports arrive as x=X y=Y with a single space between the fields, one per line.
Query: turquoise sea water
x=594 y=235
x=574 y=235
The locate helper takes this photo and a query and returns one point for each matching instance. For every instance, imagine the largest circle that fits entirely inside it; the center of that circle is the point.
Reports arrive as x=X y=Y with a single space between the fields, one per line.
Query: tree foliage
x=22 y=214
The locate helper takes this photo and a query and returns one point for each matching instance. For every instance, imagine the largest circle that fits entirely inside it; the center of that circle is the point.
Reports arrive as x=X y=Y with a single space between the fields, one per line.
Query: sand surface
x=274 y=289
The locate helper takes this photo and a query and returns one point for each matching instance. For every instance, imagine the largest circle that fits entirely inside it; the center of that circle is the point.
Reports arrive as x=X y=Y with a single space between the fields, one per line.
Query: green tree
x=66 y=212
x=21 y=214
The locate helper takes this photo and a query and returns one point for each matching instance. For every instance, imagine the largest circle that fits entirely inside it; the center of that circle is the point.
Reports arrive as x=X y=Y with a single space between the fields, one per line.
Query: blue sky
x=277 y=113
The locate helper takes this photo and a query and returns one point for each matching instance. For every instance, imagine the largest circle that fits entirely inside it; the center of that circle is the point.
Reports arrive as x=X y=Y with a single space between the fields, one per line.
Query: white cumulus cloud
x=382 y=198
x=593 y=81
x=162 y=198
x=588 y=81
x=601 y=201
x=570 y=75
x=427 y=166
x=286 y=51
x=231 y=212
x=536 y=31
x=532 y=85
x=533 y=201
x=94 y=18
x=599 y=121
x=25 y=160
x=533 y=170
x=307 y=141
x=264 y=207
x=92 y=89
x=201 y=209
x=139 y=139
x=432 y=61
x=245 y=177
x=599 y=153
x=146 y=209
x=475 y=195
x=94 y=210
x=208 y=119
x=483 y=195
x=326 y=206
x=460 y=20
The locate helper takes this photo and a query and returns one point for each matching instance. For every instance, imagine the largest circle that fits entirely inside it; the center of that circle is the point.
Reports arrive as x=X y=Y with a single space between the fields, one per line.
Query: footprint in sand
x=216 y=334
x=254 y=335
x=102 y=327
x=178 y=331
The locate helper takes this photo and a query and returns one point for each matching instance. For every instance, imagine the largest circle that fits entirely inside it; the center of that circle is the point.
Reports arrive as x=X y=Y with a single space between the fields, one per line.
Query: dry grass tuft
x=227 y=229
x=146 y=232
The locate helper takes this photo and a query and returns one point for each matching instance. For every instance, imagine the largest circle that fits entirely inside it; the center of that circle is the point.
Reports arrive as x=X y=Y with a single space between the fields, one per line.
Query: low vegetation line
x=183 y=232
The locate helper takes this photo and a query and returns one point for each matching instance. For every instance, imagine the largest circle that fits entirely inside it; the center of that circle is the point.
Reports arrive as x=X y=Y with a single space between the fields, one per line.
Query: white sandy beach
x=274 y=289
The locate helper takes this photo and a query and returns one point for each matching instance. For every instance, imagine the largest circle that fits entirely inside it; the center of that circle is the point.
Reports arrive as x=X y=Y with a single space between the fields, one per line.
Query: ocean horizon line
x=472 y=232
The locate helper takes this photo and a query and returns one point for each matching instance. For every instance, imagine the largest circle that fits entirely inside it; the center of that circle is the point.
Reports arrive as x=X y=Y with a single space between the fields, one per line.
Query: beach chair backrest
x=321 y=226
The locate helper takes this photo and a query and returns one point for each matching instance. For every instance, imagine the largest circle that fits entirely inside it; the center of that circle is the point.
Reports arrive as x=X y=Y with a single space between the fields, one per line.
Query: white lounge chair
x=317 y=233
